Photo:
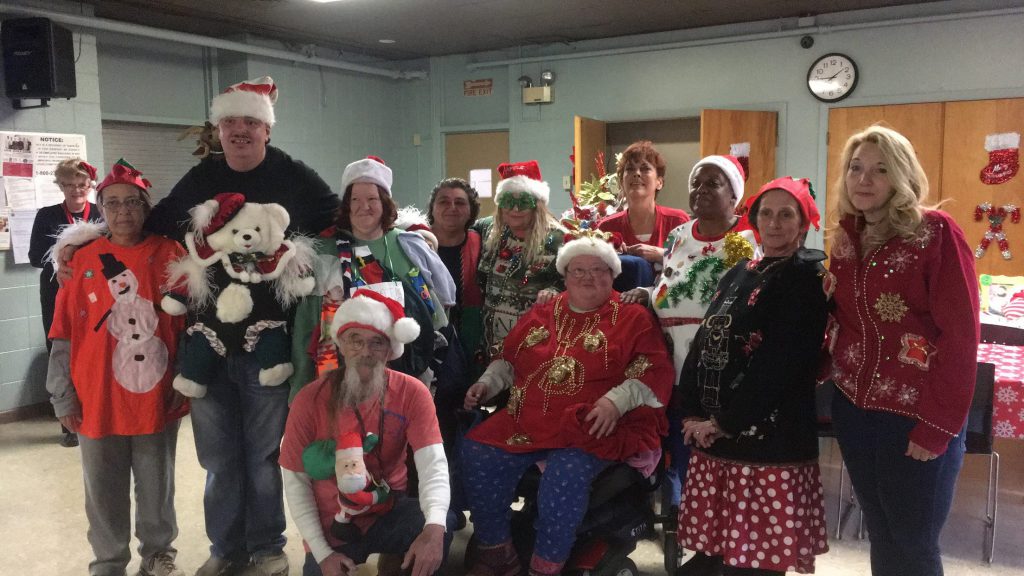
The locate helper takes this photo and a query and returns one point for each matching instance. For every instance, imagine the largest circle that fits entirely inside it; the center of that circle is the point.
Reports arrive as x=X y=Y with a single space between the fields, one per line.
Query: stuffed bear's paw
x=276 y=374
x=172 y=306
x=188 y=387
x=306 y=286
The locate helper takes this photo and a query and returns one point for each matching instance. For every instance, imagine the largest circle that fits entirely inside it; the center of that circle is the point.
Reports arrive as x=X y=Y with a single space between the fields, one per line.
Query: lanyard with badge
x=369 y=273
x=374 y=443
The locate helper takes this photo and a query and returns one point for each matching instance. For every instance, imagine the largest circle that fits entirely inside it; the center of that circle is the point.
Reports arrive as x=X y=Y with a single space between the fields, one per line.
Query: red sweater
x=905 y=337
x=665 y=220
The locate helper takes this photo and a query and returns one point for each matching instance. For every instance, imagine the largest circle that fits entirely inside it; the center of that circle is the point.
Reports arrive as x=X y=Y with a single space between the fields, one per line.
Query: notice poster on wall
x=27 y=164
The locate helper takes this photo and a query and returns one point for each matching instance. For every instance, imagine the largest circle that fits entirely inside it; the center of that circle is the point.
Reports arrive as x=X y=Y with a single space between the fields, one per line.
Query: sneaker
x=69 y=440
x=217 y=566
x=160 y=564
x=272 y=565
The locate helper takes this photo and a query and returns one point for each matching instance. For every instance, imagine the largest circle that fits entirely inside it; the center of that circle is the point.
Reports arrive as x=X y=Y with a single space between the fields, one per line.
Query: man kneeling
x=344 y=448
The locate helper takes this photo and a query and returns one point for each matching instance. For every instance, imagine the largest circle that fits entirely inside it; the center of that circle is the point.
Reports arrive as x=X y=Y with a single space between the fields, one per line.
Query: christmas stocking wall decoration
x=741 y=151
x=1003 y=157
x=996 y=217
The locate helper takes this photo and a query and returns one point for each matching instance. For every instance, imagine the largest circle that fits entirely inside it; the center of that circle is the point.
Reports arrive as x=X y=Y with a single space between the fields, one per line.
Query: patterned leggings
x=491 y=478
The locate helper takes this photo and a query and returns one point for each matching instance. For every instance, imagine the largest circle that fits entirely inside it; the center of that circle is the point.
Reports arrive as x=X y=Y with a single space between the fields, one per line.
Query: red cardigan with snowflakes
x=905 y=336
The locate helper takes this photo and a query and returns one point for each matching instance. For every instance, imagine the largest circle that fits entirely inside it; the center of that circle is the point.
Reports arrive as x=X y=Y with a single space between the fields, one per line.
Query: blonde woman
x=903 y=345
x=517 y=267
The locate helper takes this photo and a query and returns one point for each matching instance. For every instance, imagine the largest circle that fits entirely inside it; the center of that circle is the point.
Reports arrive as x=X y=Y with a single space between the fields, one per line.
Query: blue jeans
x=392 y=533
x=492 y=475
x=238 y=427
x=905 y=501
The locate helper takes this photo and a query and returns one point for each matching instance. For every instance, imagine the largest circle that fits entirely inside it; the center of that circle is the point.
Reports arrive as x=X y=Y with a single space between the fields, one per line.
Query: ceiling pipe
x=93 y=23
x=745 y=38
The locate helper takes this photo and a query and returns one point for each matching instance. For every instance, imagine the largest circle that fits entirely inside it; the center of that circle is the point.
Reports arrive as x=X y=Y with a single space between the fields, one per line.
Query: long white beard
x=355 y=390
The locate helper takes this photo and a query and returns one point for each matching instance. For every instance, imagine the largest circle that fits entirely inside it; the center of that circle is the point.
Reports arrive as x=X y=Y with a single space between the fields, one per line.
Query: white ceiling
x=436 y=27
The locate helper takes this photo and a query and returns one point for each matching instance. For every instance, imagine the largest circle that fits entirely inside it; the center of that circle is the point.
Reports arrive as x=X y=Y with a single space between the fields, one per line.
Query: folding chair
x=979 y=441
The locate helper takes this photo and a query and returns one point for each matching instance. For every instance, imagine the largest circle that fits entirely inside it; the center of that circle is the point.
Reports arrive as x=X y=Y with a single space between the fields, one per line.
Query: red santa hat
x=370 y=169
x=252 y=98
x=349 y=447
x=373 y=311
x=588 y=243
x=800 y=190
x=123 y=173
x=522 y=177
x=732 y=168
x=89 y=169
x=213 y=214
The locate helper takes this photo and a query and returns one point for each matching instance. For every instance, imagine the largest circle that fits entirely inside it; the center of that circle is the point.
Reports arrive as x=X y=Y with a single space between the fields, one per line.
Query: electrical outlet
x=566 y=182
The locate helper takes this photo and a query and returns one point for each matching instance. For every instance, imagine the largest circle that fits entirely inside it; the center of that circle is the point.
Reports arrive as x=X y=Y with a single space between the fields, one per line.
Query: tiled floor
x=42 y=518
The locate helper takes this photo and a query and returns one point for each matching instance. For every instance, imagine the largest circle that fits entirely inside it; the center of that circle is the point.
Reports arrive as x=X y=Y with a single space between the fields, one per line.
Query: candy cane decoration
x=996 y=216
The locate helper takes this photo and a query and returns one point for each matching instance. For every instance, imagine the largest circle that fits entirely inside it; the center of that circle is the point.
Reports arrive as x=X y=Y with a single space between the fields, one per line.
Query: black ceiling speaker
x=39 y=59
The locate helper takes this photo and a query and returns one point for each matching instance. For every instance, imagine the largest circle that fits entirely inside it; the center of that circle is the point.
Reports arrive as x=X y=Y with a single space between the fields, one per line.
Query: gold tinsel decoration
x=736 y=248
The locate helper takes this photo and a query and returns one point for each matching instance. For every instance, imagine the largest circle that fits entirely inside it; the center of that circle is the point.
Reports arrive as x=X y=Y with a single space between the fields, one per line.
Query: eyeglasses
x=131 y=205
x=357 y=344
x=73 y=186
x=523 y=202
x=580 y=273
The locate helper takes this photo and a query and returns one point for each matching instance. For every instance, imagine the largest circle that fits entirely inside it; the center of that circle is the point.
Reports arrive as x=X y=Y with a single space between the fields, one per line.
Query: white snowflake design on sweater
x=907 y=395
x=899 y=260
x=884 y=387
x=1007 y=395
x=1004 y=429
x=852 y=355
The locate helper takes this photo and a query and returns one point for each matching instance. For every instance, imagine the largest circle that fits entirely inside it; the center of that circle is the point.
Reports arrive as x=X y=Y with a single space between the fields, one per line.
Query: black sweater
x=754 y=360
x=44 y=230
x=310 y=203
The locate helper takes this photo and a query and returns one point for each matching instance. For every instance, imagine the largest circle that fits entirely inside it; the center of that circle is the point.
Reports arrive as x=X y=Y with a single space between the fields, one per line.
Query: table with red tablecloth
x=1008 y=406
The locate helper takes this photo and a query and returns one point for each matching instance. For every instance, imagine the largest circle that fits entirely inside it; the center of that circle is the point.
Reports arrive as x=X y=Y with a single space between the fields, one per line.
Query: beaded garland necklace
x=562 y=374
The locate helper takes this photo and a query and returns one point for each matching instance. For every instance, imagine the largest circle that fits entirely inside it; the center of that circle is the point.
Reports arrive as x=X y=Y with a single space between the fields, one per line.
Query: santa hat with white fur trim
x=730 y=165
x=370 y=169
x=373 y=311
x=253 y=98
x=588 y=243
x=522 y=177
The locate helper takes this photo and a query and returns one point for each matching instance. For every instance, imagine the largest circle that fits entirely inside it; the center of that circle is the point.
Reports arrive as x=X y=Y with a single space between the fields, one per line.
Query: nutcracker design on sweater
x=238 y=280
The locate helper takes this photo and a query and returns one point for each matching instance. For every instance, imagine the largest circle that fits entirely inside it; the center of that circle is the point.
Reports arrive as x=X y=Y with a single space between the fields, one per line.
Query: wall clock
x=832 y=77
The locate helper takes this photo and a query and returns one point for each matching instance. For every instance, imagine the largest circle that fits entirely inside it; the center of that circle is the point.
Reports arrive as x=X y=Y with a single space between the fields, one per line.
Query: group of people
x=715 y=364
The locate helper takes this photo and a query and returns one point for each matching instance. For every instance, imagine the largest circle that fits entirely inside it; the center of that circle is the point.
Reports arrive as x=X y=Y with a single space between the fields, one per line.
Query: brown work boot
x=500 y=560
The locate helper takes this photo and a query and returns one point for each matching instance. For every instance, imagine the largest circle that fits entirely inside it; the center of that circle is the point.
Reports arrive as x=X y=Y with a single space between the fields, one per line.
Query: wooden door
x=922 y=124
x=967 y=124
x=721 y=129
x=474 y=151
x=589 y=137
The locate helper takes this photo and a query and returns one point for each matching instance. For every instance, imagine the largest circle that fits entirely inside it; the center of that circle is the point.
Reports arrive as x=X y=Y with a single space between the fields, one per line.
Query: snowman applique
x=140 y=357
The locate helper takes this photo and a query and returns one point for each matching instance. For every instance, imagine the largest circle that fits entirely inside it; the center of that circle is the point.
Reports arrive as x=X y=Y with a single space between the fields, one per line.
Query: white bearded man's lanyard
x=376 y=441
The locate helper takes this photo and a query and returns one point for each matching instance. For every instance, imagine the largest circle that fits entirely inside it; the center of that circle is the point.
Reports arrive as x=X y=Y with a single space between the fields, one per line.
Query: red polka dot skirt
x=770 y=517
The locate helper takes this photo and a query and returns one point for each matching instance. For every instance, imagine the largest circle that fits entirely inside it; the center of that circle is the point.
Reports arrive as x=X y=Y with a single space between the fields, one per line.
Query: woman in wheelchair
x=588 y=380
x=753 y=502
